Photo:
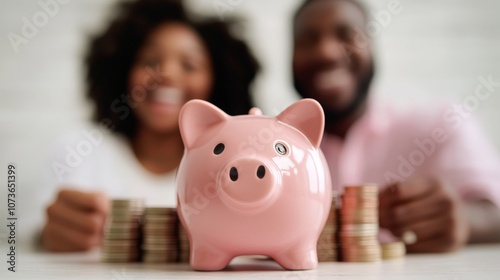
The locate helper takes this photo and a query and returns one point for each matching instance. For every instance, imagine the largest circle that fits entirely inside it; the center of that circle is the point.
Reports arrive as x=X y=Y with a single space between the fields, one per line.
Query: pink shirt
x=392 y=144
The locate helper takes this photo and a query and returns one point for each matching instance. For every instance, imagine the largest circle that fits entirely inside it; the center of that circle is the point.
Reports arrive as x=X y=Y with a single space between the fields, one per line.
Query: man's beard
x=335 y=116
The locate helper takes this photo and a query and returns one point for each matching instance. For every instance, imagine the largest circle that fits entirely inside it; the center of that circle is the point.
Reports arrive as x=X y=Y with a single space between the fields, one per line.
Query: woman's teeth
x=167 y=95
x=331 y=79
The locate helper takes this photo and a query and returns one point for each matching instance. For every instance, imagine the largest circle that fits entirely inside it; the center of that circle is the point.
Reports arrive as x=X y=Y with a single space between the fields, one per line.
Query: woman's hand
x=75 y=221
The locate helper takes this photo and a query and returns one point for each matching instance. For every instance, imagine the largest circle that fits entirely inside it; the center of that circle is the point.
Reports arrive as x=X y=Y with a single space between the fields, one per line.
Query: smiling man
x=439 y=175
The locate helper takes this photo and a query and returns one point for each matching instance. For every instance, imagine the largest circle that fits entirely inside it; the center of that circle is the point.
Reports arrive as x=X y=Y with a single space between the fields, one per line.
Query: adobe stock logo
x=30 y=27
x=452 y=120
x=76 y=154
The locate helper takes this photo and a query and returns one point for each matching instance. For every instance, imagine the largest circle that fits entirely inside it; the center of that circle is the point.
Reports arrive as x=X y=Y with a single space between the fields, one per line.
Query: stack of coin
x=359 y=224
x=327 y=245
x=393 y=250
x=160 y=235
x=183 y=244
x=122 y=231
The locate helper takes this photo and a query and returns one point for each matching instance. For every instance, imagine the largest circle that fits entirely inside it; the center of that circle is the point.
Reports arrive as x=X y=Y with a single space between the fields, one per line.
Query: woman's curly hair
x=112 y=54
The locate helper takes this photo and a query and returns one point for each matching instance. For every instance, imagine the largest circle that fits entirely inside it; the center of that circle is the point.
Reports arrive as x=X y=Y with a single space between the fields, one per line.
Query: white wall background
x=431 y=50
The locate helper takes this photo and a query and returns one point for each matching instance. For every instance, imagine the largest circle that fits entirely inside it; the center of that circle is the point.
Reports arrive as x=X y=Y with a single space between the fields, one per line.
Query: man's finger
x=407 y=191
x=417 y=210
x=385 y=195
x=85 y=200
x=385 y=202
x=424 y=229
x=437 y=244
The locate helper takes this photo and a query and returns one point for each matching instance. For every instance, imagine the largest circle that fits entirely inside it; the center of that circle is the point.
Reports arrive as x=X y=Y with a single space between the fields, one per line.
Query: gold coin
x=328 y=232
x=113 y=230
x=327 y=243
x=173 y=247
x=359 y=256
x=153 y=239
x=166 y=244
x=118 y=257
x=117 y=248
x=360 y=204
x=159 y=220
x=160 y=226
x=360 y=232
x=354 y=251
x=358 y=238
x=133 y=218
x=361 y=259
x=121 y=235
x=160 y=211
x=122 y=225
x=126 y=202
x=359 y=196
x=128 y=208
x=355 y=198
x=160 y=255
x=123 y=243
x=326 y=239
x=369 y=187
x=357 y=243
x=148 y=259
x=124 y=209
x=349 y=218
x=357 y=227
x=358 y=211
x=365 y=220
x=393 y=250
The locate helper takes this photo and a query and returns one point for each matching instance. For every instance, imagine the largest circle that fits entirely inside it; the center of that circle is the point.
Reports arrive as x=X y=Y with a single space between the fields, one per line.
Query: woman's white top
x=93 y=159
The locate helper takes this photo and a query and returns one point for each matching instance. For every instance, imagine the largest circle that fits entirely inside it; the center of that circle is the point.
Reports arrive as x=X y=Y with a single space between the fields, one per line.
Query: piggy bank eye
x=219 y=149
x=280 y=148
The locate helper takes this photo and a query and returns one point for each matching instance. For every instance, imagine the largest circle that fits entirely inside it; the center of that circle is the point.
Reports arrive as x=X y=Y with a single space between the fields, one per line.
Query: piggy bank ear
x=196 y=117
x=307 y=116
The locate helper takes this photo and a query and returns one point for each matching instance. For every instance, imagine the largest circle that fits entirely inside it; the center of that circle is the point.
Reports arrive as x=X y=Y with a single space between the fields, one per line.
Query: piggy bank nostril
x=233 y=174
x=261 y=172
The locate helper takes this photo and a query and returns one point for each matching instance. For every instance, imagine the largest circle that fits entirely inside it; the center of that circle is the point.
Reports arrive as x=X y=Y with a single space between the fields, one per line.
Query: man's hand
x=429 y=209
x=75 y=221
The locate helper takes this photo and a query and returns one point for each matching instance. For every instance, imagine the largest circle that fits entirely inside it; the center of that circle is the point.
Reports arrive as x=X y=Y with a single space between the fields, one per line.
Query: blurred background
x=432 y=50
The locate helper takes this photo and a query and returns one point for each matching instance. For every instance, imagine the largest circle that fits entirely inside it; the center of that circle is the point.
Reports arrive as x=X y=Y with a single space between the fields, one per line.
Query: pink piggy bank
x=253 y=185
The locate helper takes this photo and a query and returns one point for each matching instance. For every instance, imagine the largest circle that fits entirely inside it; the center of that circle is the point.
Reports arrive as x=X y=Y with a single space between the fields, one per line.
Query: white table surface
x=476 y=262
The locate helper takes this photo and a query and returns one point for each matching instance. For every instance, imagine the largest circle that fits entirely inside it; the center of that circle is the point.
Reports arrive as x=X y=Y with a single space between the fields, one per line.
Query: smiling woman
x=177 y=55
x=148 y=63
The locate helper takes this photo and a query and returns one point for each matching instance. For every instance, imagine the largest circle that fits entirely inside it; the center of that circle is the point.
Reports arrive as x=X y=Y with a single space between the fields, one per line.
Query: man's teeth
x=332 y=79
x=172 y=96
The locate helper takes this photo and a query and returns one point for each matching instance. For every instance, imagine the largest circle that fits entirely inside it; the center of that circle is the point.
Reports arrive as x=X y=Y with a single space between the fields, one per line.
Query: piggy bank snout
x=233 y=172
x=248 y=182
